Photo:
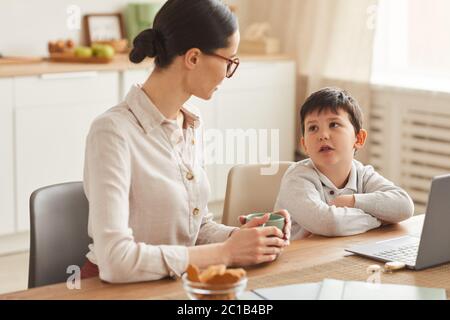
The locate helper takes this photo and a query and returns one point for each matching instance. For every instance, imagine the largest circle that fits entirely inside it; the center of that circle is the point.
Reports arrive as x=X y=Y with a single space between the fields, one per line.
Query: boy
x=331 y=193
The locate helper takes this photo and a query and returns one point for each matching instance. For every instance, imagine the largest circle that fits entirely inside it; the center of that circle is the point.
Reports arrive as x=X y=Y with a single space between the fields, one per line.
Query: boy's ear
x=361 y=138
x=302 y=142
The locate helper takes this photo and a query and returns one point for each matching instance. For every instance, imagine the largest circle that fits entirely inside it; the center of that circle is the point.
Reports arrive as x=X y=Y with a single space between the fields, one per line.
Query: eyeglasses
x=232 y=64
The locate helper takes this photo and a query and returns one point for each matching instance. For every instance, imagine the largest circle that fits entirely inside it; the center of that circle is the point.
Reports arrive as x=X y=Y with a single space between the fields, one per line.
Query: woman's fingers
x=272 y=250
x=275 y=241
x=257 y=222
x=287 y=224
x=272 y=231
x=247 y=246
x=266 y=258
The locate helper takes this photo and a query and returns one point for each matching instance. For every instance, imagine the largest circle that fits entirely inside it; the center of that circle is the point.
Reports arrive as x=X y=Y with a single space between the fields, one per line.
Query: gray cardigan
x=305 y=192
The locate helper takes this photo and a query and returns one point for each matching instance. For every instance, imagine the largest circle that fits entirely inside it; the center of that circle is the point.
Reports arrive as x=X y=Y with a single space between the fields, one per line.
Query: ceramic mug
x=275 y=219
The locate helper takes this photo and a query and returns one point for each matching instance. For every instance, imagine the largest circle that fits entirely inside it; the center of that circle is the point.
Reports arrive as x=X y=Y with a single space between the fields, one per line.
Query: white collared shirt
x=306 y=193
x=147 y=191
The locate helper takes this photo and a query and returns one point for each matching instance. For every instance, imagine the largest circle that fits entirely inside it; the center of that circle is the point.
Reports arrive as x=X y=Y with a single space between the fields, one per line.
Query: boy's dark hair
x=184 y=24
x=332 y=99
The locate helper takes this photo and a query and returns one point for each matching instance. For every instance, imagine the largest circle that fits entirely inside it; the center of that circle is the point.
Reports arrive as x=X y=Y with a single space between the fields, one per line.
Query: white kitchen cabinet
x=7 y=216
x=65 y=88
x=261 y=74
x=50 y=132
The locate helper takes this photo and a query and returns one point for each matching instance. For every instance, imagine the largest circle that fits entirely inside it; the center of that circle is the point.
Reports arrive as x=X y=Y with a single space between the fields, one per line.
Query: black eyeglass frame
x=230 y=63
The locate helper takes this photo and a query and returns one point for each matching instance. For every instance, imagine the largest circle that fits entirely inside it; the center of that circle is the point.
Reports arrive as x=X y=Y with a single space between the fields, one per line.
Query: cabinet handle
x=69 y=75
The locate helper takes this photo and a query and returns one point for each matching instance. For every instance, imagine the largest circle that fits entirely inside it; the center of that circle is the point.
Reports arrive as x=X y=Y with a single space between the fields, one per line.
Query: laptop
x=432 y=247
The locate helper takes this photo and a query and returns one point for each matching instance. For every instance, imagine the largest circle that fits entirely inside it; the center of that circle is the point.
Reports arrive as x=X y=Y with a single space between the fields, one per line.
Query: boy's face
x=330 y=139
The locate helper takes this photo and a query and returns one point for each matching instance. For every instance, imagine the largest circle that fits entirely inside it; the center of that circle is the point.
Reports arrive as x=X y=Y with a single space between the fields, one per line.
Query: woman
x=143 y=176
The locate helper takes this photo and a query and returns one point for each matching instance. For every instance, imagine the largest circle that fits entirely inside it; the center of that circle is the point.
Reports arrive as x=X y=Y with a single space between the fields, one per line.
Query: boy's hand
x=343 y=201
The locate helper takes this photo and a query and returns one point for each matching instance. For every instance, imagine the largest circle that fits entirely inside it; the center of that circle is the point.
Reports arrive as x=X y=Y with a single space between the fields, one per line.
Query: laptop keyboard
x=406 y=254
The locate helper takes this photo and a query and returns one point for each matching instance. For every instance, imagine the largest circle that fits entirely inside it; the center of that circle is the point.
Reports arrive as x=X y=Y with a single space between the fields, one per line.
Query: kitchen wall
x=26 y=26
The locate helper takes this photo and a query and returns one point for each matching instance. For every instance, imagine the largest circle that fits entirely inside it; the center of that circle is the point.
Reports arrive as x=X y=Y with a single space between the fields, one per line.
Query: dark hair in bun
x=146 y=44
x=184 y=24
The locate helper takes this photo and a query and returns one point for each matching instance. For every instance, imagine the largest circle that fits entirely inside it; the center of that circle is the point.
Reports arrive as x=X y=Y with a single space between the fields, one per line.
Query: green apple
x=96 y=48
x=103 y=50
x=83 y=52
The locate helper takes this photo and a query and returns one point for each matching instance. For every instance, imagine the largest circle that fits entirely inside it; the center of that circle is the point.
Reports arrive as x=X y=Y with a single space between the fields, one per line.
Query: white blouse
x=148 y=191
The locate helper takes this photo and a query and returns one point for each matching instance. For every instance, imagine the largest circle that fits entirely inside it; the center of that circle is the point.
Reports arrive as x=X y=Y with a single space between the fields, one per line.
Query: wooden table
x=310 y=252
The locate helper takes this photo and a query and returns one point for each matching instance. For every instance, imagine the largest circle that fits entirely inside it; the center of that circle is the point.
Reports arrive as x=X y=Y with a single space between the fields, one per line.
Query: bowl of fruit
x=119 y=45
x=66 y=51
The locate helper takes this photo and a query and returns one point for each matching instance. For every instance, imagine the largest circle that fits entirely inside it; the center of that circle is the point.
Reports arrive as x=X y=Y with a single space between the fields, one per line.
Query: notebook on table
x=301 y=291
x=356 y=290
x=331 y=289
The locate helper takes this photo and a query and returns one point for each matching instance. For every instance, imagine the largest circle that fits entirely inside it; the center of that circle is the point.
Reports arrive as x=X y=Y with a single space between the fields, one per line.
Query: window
x=412 y=44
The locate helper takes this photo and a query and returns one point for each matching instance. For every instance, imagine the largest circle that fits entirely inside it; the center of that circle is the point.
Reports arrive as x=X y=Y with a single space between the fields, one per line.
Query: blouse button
x=189 y=176
x=331 y=192
x=196 y=211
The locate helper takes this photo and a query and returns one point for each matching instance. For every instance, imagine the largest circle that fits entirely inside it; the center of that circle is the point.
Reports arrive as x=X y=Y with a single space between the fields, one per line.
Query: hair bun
x=148 y=43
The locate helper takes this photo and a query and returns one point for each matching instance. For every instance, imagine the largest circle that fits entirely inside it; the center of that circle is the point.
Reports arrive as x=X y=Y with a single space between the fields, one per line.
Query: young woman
x=144 y=176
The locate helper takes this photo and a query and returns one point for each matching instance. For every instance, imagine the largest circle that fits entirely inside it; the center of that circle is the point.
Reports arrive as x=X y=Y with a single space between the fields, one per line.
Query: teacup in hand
x=275 y=219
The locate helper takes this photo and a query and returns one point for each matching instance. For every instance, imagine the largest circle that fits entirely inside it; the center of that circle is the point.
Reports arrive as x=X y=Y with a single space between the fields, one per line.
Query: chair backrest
x=58 y=235
x=249 y=191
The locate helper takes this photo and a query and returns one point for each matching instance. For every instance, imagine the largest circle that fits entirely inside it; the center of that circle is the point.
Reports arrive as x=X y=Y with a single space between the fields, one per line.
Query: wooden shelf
x=61 y=57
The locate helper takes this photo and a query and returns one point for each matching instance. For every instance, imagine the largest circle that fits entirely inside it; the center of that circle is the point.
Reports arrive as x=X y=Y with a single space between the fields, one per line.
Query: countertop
x=119 y=63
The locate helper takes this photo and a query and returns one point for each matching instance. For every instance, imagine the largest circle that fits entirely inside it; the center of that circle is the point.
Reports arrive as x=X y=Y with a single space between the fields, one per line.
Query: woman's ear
x=191 y=58
x=361 y=138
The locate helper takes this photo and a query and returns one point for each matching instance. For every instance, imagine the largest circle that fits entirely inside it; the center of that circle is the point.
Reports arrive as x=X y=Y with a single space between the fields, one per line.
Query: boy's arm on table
x=383 y=200
x=299 y=195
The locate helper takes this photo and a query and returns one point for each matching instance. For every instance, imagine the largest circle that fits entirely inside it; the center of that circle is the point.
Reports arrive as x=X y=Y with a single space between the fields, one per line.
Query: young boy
x=331 y=193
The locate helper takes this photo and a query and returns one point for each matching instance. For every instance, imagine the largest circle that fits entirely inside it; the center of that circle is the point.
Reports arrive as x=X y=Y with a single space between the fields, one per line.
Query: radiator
x=410 y=138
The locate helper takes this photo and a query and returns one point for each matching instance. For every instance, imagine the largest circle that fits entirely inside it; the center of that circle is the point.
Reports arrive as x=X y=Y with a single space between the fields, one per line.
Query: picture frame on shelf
x=104 y=27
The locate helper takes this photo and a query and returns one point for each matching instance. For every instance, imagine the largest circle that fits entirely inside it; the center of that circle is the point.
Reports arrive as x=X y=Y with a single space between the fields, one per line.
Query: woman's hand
x=259 y=221
x=248 y=245
x=255 y=222
x=287 y=224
